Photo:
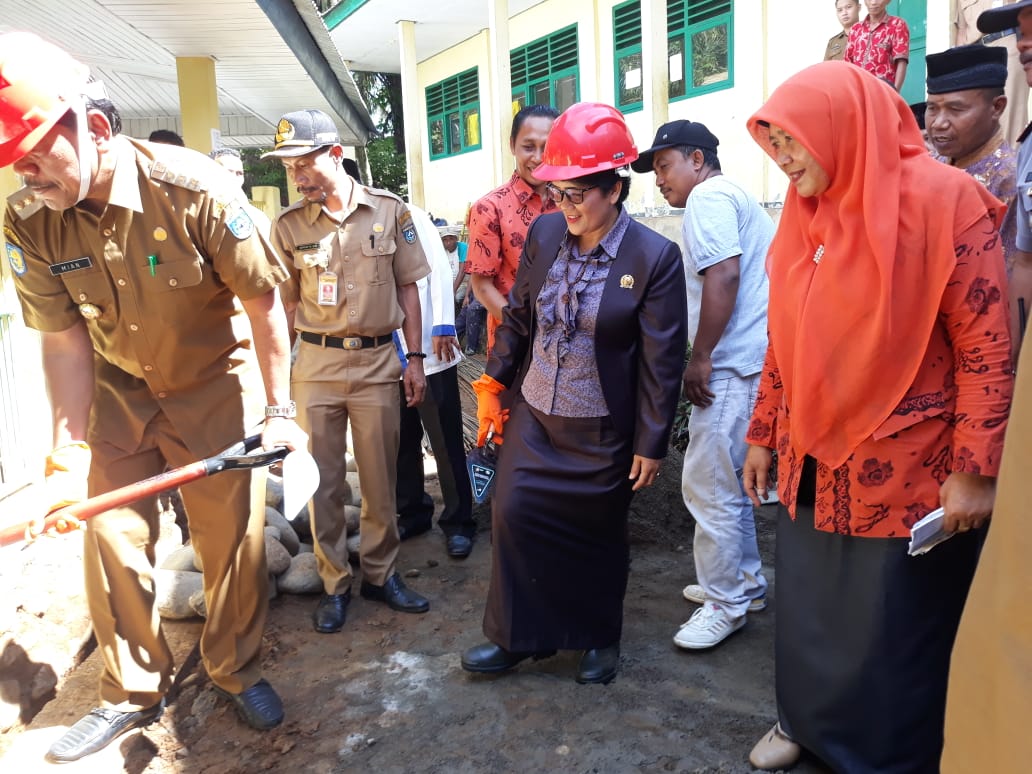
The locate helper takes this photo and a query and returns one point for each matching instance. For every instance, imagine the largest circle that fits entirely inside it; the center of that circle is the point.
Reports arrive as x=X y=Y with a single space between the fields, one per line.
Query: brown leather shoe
x=775 y=751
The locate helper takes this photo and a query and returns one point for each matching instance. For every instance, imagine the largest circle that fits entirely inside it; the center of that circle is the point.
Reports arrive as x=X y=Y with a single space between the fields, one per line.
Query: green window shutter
x=627 y=25
x=453 y=114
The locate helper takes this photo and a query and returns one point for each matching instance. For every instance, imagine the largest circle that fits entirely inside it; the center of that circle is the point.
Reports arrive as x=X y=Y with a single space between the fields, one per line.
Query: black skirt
x=862 y=644
x=559 y=533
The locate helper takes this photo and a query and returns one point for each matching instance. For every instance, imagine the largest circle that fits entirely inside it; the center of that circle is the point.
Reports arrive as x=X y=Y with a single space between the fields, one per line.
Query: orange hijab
x=850 y=332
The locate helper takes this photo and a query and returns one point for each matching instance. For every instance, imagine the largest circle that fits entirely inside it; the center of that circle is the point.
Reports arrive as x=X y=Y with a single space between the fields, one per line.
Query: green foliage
x=387 y=166
x=267 y=172
x=382 y=95
x=709 y=56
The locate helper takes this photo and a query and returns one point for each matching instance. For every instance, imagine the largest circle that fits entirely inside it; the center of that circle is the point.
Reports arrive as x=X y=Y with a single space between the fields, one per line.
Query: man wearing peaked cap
x=962 y=119
x=303 y=132
x=726 y=235
x=354 y=258
x=989 y=699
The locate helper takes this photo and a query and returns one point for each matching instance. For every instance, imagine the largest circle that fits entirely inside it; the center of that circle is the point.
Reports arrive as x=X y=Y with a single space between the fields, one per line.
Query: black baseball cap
x=677 y=133
x=1002 y=18
x=301 y=132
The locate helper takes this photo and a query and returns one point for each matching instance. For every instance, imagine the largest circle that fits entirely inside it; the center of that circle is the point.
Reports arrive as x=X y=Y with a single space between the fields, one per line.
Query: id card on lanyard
x=326 y=294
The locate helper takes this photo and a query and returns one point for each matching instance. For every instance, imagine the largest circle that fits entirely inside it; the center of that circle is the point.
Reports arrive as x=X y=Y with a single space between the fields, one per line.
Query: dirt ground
x=387 y=693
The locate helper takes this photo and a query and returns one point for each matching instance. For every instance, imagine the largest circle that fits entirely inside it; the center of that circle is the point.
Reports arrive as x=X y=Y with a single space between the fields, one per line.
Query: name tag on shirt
x=66 y=266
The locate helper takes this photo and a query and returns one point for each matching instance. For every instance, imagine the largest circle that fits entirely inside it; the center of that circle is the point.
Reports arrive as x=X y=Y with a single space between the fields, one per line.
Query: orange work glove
x=67 y=469
x=490 y=413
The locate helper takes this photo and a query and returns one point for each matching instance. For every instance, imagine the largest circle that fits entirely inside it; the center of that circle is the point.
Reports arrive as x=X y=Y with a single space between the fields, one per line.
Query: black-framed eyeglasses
x=574 y=195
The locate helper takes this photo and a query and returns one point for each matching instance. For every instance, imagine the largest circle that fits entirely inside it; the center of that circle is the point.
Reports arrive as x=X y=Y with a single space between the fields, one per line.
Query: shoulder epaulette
x=24 y=203
x=1024 y=134
x=162 y=171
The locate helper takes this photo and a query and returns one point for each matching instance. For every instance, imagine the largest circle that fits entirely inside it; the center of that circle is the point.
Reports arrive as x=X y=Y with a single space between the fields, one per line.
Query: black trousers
x=441 y=416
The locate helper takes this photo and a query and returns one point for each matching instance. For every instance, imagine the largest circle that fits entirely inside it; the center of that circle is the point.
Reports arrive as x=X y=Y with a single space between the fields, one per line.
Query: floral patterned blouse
x=952 y=419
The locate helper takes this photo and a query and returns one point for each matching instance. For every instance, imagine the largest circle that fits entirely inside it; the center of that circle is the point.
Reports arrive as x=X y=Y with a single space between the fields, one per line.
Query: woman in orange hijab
x=885 y=393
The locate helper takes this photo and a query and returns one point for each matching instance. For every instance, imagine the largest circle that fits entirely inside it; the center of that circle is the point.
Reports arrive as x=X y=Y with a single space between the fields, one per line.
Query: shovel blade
x=480 y=464
x=300 y=480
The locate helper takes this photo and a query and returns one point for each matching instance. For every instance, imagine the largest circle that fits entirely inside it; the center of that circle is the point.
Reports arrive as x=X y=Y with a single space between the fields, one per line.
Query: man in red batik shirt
x=880 y=44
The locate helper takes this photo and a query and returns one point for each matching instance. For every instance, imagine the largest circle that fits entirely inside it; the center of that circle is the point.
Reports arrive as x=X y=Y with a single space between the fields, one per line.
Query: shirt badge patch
x=409 y=234
x=240 y=225
x=16 y=257
x=378 y=228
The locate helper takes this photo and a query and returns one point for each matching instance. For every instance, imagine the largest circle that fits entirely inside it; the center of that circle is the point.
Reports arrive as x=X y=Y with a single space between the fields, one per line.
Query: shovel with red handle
x=300 y=480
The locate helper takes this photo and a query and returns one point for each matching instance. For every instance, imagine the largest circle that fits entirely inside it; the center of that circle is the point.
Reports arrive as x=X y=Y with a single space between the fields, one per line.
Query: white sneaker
x=708 y=626
x=693 y=592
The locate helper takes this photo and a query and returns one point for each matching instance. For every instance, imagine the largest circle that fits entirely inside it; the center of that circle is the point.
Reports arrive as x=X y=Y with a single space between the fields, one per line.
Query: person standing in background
x=880 y=44
x=354 y=260
x=440 y=413
x=848 y=13
x=499 y=220
x=726 y=237
x=1015 y=114
x=962 y=115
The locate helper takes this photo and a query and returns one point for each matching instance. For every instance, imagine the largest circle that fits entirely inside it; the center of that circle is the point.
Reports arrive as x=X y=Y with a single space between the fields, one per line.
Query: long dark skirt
x=559 y=534
x=862 y=644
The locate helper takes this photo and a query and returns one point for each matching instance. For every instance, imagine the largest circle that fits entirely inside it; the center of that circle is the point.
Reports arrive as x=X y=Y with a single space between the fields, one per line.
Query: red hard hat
x=586 y=138
x=37 y=83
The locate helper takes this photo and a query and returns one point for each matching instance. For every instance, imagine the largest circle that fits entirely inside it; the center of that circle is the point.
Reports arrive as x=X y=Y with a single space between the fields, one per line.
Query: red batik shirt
x=498 y=224
x=952 y=419
x=877 y=48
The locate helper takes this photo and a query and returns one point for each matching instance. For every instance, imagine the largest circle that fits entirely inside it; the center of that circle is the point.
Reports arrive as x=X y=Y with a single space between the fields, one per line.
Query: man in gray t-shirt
x=726 y=237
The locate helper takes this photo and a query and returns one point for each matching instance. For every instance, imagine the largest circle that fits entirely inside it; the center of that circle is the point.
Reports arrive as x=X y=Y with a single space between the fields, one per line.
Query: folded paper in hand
x=928 y=533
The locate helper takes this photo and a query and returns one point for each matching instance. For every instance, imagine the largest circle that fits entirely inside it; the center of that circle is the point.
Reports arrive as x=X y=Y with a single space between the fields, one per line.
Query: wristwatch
x=288 y=412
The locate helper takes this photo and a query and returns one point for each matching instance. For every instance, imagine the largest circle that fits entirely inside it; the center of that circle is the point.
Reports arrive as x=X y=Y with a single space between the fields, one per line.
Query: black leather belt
x=348 y=342
x=985 y=40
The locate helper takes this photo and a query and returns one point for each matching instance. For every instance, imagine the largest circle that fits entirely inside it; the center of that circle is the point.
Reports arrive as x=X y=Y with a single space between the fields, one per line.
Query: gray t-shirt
x=721 y=221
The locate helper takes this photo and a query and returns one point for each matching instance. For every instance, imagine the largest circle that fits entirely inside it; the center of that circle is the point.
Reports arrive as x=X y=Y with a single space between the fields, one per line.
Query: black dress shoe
x=331 y=612
x=459 y=546
x=396 y=594
x=97 y=730
x=259 y=706
x=598 y=665
x=409 y=528
x=489 y=658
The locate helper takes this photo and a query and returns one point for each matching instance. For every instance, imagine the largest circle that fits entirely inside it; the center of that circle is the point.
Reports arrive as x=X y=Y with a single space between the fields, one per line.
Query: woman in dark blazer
x=591 y=346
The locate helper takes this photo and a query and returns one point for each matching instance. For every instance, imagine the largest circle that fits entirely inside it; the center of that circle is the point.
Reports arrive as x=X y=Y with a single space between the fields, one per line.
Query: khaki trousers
x=226 y=516
x=331 y=388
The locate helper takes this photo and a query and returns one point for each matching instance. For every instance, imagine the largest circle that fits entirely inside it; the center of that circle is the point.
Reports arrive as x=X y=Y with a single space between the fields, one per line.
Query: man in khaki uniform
x=848 y=13
x=354 y=261
x=153 y=295
x=989 y=699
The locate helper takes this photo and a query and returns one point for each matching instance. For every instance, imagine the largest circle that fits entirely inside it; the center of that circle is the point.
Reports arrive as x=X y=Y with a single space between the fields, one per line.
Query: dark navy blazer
x=640 y=335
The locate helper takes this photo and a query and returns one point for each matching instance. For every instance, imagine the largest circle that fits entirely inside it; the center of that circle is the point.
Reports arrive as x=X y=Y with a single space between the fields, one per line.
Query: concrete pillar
x=198 y=101
x=267 y=199
x=500 y=88
x=655 y=70
x=414 y=121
